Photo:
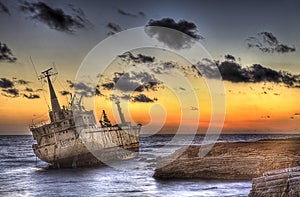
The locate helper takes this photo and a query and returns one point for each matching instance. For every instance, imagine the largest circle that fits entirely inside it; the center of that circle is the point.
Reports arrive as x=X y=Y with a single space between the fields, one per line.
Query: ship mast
x=54 y=101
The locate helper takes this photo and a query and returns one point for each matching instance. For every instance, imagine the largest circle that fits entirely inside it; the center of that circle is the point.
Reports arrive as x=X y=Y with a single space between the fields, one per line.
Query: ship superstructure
x=73 y=138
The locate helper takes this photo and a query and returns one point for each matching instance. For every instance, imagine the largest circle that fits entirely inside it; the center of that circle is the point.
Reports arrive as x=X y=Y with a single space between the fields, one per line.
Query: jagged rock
x=230 y=160
x=278 y=183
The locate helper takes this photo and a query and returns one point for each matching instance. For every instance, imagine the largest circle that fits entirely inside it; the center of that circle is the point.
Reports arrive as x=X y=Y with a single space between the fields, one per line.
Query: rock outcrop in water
x=231 y=160
x=281 y=183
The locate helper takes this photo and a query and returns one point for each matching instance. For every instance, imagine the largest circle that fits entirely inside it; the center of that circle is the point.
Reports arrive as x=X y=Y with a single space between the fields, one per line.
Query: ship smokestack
x=120 y=112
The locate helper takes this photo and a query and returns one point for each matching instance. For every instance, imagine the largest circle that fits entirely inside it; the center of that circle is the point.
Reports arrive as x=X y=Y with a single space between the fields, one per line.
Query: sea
x=22 y=174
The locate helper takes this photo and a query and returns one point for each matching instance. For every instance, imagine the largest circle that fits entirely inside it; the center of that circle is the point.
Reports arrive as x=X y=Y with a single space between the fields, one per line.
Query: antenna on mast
x=54 y=101
x=47 y=73
x=40 y=81
x=34 y=67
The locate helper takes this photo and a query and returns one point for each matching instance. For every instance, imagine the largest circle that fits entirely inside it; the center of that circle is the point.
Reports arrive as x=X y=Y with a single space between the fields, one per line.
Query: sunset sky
x=254 y=44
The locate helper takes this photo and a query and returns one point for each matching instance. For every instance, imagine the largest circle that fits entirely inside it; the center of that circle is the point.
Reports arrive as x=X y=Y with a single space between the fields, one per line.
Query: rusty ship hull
x=73 y=138
x=95 y=146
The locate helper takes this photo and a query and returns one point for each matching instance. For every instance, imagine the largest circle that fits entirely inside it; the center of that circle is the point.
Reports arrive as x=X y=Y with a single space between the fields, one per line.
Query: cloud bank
x=6 y=54
x=267 y=42
x=55 y=18
x=184 y=37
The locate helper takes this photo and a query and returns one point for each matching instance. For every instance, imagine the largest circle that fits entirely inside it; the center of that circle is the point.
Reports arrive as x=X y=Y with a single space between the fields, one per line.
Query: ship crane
x=105 y=122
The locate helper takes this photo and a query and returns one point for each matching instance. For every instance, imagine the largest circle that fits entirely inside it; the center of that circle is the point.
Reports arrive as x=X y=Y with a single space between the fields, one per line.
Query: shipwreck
x=74 y=138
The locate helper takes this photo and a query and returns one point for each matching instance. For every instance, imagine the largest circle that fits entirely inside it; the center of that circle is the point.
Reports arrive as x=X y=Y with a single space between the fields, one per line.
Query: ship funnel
x=54 y=101
x=120 y=112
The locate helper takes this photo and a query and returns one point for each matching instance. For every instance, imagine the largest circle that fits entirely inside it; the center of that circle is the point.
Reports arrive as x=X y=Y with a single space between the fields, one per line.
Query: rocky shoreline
x=230 y=160
x=281 y=183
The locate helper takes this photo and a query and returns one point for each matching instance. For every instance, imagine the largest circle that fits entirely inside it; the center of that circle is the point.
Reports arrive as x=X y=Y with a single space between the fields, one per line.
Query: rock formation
x=278 y=183
x=231 y=160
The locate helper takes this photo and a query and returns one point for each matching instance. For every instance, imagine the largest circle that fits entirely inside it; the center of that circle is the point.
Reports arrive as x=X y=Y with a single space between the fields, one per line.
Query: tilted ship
x=73 y=138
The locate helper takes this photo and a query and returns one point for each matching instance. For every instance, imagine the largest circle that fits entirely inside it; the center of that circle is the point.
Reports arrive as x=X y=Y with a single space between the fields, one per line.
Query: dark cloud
x=181 y=88
x=22 y=82
x=108 y=85
x=115 y=28
x=4 y=9
x=142 y=14
x=164 y=68
x=161 y=68
x=207 y=68
x=71 y=84
x=142 y=98
x=65 y=92
x=127 y=83
x=10 y=88
x=234 y=72
x=31 y=96
x=55 y=18
x=139 y=58
x=28 y=89
x=230 y=57
x=39 y=89
x=133 y=81
x=268 y=43
x=110 y=33
x=125 y=97
x=6 y=83
x=231 y=71
x=269 y=38
x=265 y=117
x=124 y=13
x=184 y=38
x=297 y=114
x=11 y=92
x=84 y=89
x=281 y=48
x=183 y=26
x=6 y=54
